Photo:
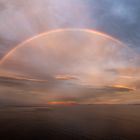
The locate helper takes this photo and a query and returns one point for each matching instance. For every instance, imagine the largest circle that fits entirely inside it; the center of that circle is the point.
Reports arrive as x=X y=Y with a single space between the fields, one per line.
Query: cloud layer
x=20 y=20
x=70 y=66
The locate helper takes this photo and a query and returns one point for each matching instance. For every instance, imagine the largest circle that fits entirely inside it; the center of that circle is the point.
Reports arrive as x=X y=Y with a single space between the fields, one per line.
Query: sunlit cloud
x=121 y=88
x=66 y=77
x=62 y=103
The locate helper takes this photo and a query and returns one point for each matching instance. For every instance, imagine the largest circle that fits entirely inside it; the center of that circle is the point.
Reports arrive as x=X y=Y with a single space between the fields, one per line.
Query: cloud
x=76 y=71
x=119 y=88
x=120 y=19
x=62 y=102
x=85 y=93
x=51 y=56
x=66 y=77
x=30 y=92
x=35 y=16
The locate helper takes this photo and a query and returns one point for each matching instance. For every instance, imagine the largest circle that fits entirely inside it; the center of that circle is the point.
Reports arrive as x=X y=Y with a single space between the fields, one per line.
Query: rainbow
x=56 y=31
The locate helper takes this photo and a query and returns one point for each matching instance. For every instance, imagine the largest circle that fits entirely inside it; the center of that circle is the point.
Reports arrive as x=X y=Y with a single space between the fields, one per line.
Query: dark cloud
x=118 y=18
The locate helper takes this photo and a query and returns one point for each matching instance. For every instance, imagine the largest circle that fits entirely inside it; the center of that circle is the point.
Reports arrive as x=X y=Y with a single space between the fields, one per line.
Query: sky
x=21 y=20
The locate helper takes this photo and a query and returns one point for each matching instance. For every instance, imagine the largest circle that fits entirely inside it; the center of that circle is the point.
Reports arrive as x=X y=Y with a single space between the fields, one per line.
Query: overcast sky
x=22 y=19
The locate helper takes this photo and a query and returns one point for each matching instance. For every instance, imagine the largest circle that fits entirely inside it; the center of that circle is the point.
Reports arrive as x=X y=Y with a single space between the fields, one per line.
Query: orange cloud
x=62 y=102
x=65 y=77
x=123 y=88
